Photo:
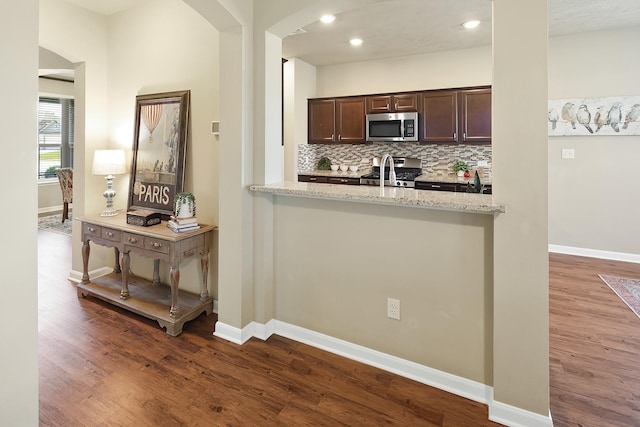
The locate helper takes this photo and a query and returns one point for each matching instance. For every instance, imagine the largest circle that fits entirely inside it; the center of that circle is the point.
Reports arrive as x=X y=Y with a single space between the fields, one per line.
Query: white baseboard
x=51 y=209
x=595 y=253
x=460 y=386
x=516 y=417
x=76 y=276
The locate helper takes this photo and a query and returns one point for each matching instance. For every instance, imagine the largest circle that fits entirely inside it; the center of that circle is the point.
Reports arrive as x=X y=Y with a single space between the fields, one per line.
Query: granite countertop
x=443 y=200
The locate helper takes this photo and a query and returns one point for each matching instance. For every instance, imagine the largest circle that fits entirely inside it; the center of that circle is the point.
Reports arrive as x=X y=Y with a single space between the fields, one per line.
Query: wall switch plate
x=393 y=308
x=215 y=128
x=483 y=163
x=568 y=153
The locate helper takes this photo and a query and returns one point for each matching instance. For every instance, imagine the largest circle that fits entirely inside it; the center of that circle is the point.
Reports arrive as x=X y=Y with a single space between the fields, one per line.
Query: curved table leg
x=124 y=293
x=174 y=279
x=116 y=267
x=85 y=261
x=204 y=265
x=156 y=272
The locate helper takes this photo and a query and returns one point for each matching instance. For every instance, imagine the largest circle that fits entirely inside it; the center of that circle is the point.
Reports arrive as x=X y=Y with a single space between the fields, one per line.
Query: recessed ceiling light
x=327 y=19
x=355 y=42
x=471 y=24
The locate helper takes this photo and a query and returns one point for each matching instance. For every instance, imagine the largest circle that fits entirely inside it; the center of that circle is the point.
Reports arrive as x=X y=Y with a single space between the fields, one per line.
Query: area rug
x=54 y=223
x=627 y=289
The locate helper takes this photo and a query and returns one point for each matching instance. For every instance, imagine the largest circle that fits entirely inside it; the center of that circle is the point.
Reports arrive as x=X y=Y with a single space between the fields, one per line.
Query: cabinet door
x=406 y=102
x=436 y=186
x=476 y=115
x=379 y=104
x=350 y=120
x=321 y=125
x=313 y=178
x=439 y=116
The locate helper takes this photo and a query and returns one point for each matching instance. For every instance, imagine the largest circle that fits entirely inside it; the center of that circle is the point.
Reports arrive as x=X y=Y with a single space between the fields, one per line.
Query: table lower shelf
x=148 y=300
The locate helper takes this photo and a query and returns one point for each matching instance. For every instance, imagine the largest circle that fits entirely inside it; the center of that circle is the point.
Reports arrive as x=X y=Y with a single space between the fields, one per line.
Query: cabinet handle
x=91 y=229
x=435 y=186
x=464 y=136
x=339 y=137
x=133 y=240
x=109 y=233
x=156 y=245
x=312 y=179
x=455 y=135
x=333 y=137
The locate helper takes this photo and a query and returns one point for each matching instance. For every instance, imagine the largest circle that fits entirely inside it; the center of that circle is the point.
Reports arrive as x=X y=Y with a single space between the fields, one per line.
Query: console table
x=168 y=305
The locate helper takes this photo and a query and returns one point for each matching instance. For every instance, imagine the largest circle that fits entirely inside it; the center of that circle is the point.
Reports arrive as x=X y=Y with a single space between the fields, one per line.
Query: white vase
x=460 y=173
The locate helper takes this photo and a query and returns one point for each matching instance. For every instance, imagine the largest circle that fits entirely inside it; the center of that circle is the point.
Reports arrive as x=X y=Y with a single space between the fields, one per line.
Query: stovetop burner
x=406 y=168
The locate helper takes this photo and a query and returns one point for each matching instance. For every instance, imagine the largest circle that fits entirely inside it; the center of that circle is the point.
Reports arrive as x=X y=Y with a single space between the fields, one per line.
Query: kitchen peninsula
x=462 y=202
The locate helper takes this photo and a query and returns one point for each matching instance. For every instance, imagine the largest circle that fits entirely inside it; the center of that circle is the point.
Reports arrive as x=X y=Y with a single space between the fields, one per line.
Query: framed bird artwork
x=615 y=115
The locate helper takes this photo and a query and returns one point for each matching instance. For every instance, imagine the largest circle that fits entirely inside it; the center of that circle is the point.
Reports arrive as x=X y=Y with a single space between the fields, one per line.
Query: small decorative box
x=143 y=218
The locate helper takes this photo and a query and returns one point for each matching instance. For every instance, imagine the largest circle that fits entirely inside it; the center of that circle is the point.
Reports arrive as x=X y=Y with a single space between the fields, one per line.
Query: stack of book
x=182 y=225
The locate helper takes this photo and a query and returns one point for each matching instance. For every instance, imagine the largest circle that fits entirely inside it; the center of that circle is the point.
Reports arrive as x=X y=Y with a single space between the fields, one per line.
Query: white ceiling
x=392 y=28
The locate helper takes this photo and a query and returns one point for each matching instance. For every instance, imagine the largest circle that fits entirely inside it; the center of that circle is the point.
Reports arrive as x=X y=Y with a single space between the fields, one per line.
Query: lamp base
x=109 y=212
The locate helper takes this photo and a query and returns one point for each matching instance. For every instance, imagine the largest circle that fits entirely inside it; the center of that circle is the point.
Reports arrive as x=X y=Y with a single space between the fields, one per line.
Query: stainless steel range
x=406 y=168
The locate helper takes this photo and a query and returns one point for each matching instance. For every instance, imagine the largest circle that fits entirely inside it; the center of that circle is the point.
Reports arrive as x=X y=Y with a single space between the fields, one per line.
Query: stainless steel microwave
x=392 y=127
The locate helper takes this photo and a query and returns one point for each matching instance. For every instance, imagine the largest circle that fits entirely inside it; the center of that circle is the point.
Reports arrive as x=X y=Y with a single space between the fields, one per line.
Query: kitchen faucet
x=392 y=171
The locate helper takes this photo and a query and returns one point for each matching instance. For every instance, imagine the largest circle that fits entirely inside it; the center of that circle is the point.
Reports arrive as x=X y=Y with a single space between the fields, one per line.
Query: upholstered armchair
x=65 y=177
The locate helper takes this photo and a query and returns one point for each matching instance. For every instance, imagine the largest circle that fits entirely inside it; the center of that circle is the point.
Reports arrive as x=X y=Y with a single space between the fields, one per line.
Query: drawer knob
x=110 y=233
x=133 y=240
x=156 y=245
x=91 y=229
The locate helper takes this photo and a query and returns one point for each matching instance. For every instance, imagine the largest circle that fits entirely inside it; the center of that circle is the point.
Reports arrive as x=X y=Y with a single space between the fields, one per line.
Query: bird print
x=600 y=118
x=615 y=116
x=584 y=117
x=632 y=115
x=569 y=112
x=553 y=117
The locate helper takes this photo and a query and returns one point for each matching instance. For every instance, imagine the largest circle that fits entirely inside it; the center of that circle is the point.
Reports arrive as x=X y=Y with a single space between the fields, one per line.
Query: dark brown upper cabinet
x=456 y=116
x=392 y=103
x=337 y=121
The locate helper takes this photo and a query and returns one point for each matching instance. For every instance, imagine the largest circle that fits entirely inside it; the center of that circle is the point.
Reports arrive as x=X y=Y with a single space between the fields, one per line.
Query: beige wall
x=181 y=56
x=592 y=202
x=80 y=36
x=521 y=312
x=466 y=67
x=19 y=314
x=338 y=262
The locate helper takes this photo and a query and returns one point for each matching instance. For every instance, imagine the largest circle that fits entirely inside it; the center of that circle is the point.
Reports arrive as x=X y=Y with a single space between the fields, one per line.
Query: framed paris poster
x=159 y=151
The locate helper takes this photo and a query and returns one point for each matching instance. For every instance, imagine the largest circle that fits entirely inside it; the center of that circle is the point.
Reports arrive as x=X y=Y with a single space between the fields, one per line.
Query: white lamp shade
x=108 y=162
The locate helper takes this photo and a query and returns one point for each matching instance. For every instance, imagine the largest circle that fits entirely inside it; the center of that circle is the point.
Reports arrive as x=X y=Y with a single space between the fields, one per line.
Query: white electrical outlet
x=393 y=308
x=568 y=153
x=483 y=163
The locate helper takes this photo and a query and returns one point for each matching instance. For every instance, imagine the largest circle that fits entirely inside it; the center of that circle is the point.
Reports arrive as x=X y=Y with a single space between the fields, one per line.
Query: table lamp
x=109 y=163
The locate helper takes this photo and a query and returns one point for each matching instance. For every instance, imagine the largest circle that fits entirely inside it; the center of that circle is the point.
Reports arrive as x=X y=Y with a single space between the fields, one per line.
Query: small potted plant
x=461 y=168
x=185 y=205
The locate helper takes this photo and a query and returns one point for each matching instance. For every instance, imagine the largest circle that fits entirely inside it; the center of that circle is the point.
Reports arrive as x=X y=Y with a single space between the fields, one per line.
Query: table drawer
x=156 y=245
x=111 y=234
x=134 y=240
x=91 y=230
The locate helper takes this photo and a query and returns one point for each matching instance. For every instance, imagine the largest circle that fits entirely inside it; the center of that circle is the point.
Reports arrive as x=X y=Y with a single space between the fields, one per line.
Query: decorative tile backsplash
x=436 y=159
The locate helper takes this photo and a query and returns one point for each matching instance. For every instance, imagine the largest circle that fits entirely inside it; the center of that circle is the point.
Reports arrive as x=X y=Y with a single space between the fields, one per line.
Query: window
x=55 y=135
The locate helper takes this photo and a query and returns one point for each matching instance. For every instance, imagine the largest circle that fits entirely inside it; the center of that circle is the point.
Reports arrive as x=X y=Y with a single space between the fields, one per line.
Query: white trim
x=215 y=306
x=76 y=276
x=51 y=210
x=595 y=253
x=516 y=417
x=499 y=412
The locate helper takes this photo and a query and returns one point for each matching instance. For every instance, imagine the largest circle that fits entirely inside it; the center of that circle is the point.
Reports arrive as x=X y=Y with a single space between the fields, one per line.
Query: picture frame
x=159 y=151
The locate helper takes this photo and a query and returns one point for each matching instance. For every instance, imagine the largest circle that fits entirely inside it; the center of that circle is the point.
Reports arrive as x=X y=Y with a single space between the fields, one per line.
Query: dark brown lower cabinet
x=328 y=180
x=447 y=186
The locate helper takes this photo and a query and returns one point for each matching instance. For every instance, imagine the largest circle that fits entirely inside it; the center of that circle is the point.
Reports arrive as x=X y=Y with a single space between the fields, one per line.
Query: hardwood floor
x=100 y=365
x=594 y=345
x=103 y=366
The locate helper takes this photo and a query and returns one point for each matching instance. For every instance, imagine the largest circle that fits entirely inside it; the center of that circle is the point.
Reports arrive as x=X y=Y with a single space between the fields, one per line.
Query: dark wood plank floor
x=102 y=366
x=594 y=345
